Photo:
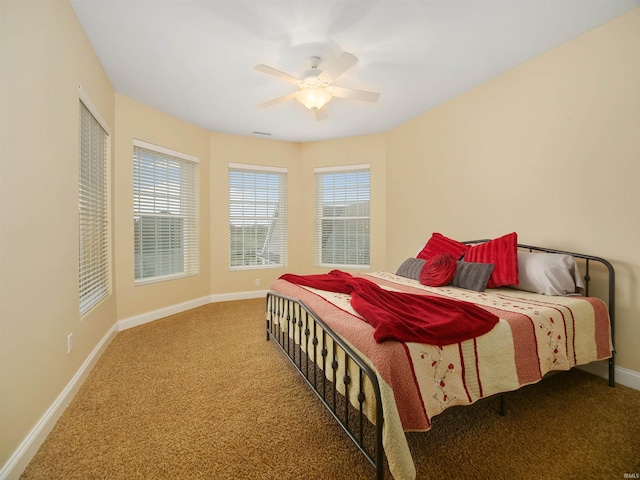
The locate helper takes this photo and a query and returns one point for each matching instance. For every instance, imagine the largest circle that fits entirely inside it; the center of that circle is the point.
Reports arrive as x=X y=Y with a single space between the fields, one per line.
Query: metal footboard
x=343 y=382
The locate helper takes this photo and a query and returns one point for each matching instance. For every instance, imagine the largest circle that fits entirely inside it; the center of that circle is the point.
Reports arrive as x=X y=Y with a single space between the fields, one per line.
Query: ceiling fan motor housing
x=310 y=77
x=315 y=86
x=310 y=80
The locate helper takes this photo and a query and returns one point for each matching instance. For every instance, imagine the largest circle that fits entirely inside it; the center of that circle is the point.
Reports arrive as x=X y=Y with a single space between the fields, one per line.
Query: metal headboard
x=587 y=278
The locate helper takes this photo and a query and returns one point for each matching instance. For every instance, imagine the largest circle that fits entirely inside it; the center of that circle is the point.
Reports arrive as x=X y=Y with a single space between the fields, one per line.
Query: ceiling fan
x=315 y=87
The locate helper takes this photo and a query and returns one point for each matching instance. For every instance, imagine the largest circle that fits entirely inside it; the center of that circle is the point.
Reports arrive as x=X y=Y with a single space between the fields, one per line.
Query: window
x=342 y=216
x=257 y=216
x=93 y=182
x=165 y=213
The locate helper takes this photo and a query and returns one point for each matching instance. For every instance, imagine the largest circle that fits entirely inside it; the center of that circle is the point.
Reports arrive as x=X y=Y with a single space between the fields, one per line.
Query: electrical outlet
x=257 y=282
x=70 y=343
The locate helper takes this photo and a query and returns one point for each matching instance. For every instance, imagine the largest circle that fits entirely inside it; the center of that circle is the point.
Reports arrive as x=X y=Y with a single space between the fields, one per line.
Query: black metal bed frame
x=611 y=293
x=317 y=351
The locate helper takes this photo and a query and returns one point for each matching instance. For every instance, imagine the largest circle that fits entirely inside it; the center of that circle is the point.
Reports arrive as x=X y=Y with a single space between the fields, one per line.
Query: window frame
x=95 y=282
x=319 y=174
x=190 y=218
x=282 y=214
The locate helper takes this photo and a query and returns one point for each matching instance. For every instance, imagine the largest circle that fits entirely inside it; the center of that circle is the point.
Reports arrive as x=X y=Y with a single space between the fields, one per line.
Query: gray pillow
x=472 y=276
x=411 y=268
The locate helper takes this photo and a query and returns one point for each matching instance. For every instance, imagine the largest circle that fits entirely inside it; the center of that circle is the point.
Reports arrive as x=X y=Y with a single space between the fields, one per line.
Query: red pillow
x=439 y=244
x=503 y=253
x=439 y=270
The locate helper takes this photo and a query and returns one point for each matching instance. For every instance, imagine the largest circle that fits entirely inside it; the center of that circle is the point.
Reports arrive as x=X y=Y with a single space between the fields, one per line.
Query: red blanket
x=405 y=317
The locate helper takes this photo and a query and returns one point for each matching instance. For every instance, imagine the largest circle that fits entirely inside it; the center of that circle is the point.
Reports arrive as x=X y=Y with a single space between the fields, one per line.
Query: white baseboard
x=147 y=317
x=36 y=437
x=623 y=376
x=225 y=297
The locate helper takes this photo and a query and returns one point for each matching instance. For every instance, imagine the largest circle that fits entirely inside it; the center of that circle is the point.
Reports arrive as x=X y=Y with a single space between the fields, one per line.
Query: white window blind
x=94 y=272
x=342 y=216
x=165 y=206
x=257 y=216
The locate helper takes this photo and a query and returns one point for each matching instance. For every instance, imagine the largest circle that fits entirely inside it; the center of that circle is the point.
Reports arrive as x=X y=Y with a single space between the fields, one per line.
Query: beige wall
x=300 y=160
x=227 y=149
x=345 y=151
x=550 y=150
x=44 y=56
x=135 y=120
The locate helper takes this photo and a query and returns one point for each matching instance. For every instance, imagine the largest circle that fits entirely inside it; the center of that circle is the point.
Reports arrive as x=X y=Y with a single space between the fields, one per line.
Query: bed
x=378 y=388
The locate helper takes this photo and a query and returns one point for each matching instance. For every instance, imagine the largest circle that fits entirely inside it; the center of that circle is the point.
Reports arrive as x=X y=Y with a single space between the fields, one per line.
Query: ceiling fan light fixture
x=314 y=98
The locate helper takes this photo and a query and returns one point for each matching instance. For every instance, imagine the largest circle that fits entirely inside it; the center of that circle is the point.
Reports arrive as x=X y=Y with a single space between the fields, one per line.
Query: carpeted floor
x=202 y=395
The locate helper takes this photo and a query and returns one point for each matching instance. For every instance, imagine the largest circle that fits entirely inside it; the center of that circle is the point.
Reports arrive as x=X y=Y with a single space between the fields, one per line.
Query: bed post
x=268 y=316
x=612 y=311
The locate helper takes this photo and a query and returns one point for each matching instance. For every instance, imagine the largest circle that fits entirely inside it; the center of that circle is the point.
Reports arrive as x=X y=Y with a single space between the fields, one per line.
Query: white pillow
x=548 y=273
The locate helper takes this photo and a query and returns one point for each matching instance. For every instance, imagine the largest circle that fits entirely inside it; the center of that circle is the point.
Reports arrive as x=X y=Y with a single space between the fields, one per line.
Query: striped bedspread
x=535 y=334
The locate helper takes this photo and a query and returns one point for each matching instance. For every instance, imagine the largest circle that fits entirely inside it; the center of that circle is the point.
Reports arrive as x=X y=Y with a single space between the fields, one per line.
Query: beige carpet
x=202 y=395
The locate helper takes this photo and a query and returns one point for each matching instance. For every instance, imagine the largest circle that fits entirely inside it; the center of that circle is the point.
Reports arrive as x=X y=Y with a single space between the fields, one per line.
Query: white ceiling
x=194 y=59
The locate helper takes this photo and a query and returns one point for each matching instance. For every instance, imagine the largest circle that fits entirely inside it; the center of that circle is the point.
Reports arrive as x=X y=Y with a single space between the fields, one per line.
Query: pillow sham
x=439 y=244
x=439 y=270
x=472 y=276
x=548 y=273
x=411 y=268
x=502 y=252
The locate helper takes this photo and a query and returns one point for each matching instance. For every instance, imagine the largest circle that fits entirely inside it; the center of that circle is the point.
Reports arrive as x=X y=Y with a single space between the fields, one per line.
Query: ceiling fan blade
x=275 y=101
x=353 y=94
x=321 y=114
x=277 y=73
x=343 y=63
